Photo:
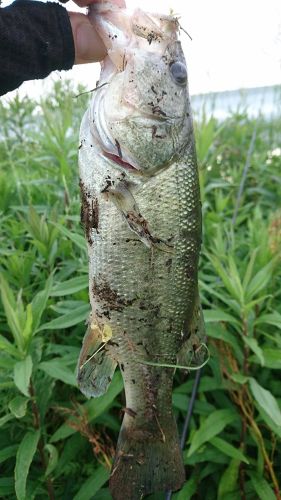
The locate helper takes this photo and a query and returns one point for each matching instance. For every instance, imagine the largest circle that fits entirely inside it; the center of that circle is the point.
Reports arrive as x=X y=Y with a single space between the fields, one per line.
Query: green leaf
x=228 y=449
x=77 y=239
x=5 y=419
x=8 y=347
x=272 y=358
x=7 y=487
x=228 y=280
x=259 y=281
x=212 y=426
x=229 y=480
x=269 y=422
x=216 y=315
x=93 y=484
x=239 y=378
x=72 y=318
x=206 y=453
x=261 y=486
x=273 y=319
x=188 y=490
x=53 y=458
x=39 y=303
x=25 y=454
x=57 y=370
x=27 y=329
x=249 y=270
x=10 y=308
x=266 y=400
x=22 y=374
x=18 y=406
x=7 y=453
x=221 y=333
x=70 y=286
x=252 y=343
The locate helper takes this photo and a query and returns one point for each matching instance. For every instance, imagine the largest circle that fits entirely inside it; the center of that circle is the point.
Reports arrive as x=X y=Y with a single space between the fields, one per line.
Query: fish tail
x=147 y=460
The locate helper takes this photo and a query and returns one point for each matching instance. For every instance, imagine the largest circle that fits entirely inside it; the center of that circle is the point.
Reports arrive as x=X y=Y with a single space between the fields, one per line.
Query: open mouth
x=117 y=159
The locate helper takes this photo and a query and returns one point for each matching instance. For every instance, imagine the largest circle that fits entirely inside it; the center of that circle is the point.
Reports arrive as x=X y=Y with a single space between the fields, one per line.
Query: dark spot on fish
x=112 y=299
x=118 y=148
x=122 y=367
x=89 y=212
x=112 y=343
x=156 y=110
x=106 y=314
x=133 y=381
x=130 y=412
x=146 y=349
x=108 y=184
x=153 y=89
x=152 y=36
x=142 y=306
x=169 y=264
x=155 y=135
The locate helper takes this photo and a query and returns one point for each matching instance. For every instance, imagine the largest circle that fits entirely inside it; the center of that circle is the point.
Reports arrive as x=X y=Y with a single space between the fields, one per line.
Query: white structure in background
x=235 y=44
x=259 y=100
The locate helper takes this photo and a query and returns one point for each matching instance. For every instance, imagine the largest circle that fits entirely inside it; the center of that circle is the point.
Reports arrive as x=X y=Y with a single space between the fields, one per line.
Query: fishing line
x=93 y=355
x=92 y=90
x=185 y=32
x=180 y=367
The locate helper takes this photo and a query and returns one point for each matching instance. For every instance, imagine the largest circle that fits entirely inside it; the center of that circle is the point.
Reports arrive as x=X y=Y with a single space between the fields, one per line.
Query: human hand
x=88 y=45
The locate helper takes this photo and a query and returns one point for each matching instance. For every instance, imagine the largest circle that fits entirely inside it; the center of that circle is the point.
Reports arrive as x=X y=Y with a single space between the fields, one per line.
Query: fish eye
x=179 y=73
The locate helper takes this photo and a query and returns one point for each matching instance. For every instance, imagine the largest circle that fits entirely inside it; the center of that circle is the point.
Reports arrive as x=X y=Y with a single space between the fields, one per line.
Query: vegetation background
x=55 y=444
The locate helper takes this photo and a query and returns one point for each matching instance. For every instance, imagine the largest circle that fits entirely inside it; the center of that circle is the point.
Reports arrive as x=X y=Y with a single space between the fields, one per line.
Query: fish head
x=141 y=111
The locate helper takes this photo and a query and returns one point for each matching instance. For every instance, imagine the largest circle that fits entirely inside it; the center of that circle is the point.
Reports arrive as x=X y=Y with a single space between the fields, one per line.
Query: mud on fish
x=142 y=218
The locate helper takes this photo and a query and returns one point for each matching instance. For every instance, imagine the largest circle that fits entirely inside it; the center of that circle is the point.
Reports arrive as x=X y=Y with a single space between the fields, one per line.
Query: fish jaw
x=141 y=110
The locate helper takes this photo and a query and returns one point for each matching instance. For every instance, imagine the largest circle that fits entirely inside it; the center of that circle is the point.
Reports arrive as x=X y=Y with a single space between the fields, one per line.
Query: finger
x=88 y=45
x=85 y=3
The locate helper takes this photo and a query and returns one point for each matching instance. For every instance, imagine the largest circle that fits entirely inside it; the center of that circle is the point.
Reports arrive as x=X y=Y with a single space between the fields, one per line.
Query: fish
x=141 y=212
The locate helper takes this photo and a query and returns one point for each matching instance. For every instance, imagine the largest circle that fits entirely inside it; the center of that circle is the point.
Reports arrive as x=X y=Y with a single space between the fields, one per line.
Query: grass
x=54 y=443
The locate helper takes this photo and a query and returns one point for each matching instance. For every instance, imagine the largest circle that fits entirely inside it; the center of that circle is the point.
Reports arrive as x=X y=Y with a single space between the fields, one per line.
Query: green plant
x=56 y=444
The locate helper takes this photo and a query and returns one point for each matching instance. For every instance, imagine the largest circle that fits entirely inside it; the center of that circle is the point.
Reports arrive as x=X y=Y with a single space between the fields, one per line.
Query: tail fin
x=147 y=461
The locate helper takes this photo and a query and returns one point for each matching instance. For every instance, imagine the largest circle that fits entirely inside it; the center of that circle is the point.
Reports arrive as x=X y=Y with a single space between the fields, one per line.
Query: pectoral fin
x=122 y=197
x=95 y=365
x=194 y=351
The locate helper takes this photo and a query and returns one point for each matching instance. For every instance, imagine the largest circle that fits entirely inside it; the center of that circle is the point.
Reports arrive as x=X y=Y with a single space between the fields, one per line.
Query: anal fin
x=95 y=365
x=194 y=352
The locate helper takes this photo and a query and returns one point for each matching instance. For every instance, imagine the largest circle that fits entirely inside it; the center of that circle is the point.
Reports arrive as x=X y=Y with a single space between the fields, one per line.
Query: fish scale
x=142 y=216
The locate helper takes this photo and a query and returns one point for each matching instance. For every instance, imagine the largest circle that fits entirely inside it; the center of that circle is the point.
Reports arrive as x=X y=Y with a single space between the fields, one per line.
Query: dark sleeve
x=35 y=39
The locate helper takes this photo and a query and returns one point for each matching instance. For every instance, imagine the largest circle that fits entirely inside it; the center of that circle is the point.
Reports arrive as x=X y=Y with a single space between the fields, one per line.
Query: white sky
x=236 y=44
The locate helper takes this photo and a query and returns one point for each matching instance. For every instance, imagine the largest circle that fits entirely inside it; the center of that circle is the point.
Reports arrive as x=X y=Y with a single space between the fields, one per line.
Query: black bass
x=142 y=217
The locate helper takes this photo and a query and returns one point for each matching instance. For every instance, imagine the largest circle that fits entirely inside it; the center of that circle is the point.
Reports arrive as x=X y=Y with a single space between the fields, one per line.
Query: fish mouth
x=110 y=147
x=120 y=162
